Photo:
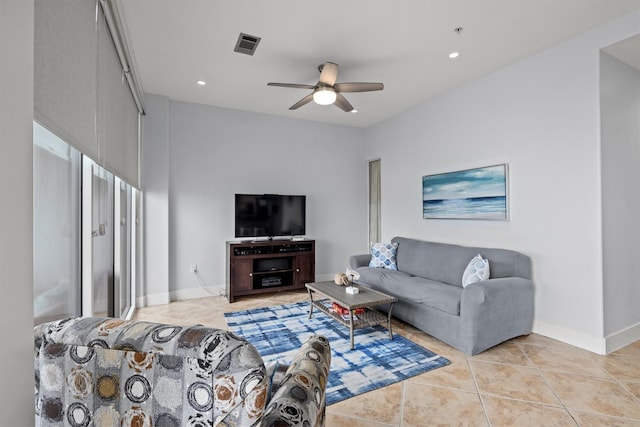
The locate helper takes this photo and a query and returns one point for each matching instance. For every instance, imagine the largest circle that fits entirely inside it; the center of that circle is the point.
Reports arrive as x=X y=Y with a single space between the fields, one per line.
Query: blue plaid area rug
x=278 y=332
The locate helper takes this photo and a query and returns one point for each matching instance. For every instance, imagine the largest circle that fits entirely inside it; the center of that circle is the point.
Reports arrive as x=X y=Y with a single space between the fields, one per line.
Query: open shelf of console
x=268 y=266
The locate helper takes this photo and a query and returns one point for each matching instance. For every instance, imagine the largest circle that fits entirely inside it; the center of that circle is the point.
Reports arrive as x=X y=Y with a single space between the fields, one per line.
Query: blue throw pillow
x=383 y=255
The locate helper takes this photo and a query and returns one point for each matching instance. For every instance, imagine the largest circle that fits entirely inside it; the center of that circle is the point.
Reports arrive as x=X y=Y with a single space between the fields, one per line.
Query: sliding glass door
x=84 y=234
x=56 y=226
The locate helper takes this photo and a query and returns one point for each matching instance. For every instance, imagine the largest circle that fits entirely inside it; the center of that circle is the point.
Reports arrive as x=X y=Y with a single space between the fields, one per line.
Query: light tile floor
x=530 y=380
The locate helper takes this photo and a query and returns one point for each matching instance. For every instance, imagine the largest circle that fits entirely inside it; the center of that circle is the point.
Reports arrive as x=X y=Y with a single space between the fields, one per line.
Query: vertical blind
x=81 y=91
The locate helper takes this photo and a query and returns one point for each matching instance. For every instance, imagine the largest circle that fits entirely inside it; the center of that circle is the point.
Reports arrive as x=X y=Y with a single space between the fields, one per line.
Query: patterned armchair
x=111 y=372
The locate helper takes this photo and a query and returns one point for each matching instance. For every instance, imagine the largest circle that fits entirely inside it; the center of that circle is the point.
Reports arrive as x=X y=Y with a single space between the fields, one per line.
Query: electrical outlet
x=194 y=268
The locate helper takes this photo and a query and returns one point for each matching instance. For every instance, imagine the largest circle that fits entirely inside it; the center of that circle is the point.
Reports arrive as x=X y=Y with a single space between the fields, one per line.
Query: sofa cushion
x=435 y=294
x=415 y=290
x=383 y=255
x=381 y=276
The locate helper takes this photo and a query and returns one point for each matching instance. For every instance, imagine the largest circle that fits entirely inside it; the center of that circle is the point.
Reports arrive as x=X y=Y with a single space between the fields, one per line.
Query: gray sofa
x=428 y=285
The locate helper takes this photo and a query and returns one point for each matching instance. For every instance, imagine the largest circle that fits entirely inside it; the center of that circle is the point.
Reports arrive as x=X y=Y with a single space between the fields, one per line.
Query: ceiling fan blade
x=329 y=73
x=342 y=103
x=304 y=101
x=293 y=85
x=357 y=87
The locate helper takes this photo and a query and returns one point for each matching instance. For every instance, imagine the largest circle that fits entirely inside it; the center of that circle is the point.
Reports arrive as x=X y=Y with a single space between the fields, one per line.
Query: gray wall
x=214 y=153
x=541 y=116
x=16 y=213
x=154 y=283
x=620 y=127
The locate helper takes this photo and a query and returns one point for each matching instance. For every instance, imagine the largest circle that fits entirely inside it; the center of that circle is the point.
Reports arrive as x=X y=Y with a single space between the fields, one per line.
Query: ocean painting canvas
x=479 y=193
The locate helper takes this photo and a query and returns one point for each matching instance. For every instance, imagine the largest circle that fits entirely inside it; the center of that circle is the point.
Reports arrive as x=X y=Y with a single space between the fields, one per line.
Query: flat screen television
x=269 y=215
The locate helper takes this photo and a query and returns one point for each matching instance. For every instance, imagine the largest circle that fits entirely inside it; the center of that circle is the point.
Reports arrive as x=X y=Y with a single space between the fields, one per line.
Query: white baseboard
x=180 y=294
x=622 y=338
x=154 y=299
x=199 y=292
x=569 y=336
x=603 y=346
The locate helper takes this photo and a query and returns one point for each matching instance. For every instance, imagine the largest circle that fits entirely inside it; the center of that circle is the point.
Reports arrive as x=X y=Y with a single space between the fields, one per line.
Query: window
x=84 y=234
x=85 y=92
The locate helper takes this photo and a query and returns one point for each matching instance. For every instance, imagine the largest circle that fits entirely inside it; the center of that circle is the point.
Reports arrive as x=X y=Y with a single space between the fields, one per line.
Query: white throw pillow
x=476 y=271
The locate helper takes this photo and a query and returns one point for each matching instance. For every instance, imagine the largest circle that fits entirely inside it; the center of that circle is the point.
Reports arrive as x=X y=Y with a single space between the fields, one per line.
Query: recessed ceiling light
x=201 y=82
x=454 y=54
x=354 y=111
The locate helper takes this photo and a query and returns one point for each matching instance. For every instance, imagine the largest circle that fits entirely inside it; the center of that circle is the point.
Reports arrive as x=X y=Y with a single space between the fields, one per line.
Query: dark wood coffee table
x=367 y=299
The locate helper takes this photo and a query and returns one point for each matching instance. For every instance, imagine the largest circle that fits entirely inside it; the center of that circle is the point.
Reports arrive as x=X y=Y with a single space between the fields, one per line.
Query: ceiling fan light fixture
x=327 y=91
x=324 y=96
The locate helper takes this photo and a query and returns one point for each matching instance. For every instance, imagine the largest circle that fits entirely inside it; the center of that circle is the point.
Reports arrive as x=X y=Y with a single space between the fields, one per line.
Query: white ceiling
x=402 y=43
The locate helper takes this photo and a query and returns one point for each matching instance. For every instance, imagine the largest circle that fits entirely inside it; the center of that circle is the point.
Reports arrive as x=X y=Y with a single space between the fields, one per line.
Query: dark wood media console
x=269 y=266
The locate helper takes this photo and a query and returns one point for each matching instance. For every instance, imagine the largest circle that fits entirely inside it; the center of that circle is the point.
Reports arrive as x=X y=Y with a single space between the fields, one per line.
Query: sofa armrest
x=495 y=310
x=300 y=398
x=360 y=260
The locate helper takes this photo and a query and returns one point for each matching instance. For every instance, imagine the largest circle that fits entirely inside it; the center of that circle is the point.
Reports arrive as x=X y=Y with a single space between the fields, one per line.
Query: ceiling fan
x=327 y=91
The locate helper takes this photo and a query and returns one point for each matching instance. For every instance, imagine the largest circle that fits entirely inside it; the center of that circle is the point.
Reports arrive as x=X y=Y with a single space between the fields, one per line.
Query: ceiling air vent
x=246 y=44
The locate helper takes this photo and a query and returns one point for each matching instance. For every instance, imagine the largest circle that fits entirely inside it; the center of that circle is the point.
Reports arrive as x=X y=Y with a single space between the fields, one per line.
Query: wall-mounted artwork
x=480 y=193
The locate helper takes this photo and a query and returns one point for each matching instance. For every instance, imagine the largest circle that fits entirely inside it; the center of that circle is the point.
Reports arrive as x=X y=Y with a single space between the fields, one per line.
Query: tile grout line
x=624 y=387
x=404 y=386
x=475 y=383
x=539 y=371
x=609 y=378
